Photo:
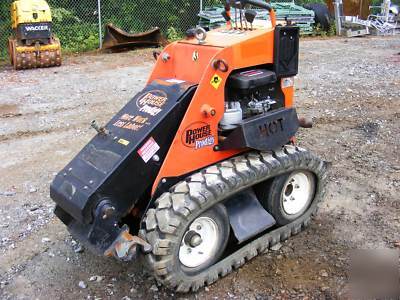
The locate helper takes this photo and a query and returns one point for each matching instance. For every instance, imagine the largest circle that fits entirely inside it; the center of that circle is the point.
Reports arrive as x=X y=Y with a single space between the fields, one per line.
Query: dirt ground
x=351 y=87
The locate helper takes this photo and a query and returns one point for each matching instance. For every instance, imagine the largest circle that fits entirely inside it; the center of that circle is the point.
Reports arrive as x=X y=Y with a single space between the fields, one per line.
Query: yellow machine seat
x=29 y=11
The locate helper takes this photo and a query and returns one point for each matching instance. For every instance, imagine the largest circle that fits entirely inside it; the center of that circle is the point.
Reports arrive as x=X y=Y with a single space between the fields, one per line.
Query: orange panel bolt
x=207 y=110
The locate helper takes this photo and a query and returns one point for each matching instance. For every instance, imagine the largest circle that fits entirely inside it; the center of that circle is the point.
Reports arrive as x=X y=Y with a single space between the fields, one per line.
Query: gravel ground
x=351 y=87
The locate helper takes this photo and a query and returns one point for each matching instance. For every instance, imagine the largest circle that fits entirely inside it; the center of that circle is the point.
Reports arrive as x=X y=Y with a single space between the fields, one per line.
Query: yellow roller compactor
x=33 y=44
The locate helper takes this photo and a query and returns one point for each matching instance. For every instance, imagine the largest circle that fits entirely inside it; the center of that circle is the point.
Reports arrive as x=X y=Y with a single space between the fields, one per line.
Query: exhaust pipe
x=305 y=122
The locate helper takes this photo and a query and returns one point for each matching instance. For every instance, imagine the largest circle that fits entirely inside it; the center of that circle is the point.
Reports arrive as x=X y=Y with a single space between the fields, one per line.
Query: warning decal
x=195 y=55
x=216 y=81
x=123 y=142
x=149 y=148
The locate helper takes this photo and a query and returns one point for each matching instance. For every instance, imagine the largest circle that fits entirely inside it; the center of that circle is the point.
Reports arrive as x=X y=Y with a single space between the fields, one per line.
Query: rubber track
x=163 y=224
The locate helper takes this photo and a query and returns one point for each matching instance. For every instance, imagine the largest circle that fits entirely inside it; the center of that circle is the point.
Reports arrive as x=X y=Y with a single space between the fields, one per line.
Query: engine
x=250 y=92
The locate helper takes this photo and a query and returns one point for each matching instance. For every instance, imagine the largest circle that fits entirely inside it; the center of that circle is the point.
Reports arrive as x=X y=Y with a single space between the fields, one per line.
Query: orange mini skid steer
x=199 y=171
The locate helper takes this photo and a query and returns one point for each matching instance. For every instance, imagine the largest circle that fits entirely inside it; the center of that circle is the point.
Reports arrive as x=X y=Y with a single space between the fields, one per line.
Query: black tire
x=270 y=194
x=322 y=15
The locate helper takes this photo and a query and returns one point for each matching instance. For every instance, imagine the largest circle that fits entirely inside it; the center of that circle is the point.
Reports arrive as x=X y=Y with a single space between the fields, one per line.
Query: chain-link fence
x=80 y=23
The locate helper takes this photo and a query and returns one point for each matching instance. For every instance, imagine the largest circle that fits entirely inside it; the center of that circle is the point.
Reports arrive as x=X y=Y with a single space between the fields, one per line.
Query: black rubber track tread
x=164 y=224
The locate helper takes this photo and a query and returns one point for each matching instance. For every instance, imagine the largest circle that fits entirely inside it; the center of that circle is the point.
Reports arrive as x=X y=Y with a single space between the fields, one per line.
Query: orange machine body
x=209 y=98
x=193 y=62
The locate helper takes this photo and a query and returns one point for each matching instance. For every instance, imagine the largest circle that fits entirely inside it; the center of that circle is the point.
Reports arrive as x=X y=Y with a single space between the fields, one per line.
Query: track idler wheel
x=287 y=196
x=171 y=227
x=204 y=240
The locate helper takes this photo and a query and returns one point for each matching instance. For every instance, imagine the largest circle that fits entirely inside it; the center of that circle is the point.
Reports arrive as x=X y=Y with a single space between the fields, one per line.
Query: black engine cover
x=121 y=165
x=263 y=132
x=251 y=79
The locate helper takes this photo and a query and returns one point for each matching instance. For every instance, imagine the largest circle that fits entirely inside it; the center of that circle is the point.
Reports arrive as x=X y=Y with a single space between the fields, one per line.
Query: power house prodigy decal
x=198 y=135
x=152 y=102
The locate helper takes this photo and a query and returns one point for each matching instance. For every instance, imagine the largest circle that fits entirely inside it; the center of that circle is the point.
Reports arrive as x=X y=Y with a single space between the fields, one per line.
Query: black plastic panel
x=286 y=51
x=119 y=165
x=267 y=131
x=247 y=216
x=34 y=31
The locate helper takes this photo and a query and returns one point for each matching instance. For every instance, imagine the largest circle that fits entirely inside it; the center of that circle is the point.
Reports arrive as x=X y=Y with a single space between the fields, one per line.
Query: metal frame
x=100 y=32
x=286 y=11
x=379 y=24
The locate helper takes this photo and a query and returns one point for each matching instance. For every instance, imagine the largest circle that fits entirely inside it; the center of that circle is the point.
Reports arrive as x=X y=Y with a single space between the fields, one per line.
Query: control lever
x=264 y=5
x=236 y=18
x=239 y=4
x=232 y=3
x=243 y=4
x=227 y=18
x=250 y=15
